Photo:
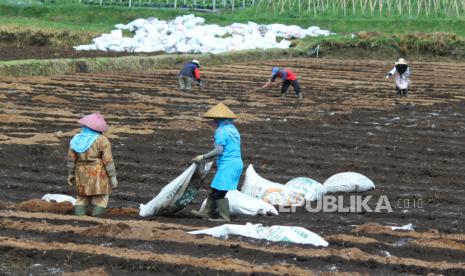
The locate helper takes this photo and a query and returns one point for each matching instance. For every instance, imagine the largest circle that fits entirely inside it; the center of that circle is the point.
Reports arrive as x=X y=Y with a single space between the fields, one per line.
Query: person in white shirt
x=402 y=72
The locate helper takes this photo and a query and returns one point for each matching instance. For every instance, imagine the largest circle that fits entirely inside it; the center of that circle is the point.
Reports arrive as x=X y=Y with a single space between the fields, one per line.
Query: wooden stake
x=364 y=6
x=419 y=7
x=427 y=7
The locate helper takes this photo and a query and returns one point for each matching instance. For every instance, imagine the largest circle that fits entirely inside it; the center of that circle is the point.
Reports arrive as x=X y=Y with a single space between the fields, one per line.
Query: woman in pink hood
x=90 y=166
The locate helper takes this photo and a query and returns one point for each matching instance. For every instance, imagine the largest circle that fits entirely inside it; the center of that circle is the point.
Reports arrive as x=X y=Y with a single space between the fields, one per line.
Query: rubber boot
x=223 y=210
x=283 y=95
x=80 y=210
x=207 y=212
x=98 y=211
x=300 y=96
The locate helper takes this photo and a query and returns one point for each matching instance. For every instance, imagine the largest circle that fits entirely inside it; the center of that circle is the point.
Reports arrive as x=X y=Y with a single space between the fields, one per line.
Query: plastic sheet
x=275 y=233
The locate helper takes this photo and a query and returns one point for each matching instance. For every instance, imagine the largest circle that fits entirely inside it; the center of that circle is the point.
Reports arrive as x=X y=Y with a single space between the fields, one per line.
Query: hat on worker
x=94 y=121
x=401 y=61
x=196 y=62
x=274 y=71
x=220 y=111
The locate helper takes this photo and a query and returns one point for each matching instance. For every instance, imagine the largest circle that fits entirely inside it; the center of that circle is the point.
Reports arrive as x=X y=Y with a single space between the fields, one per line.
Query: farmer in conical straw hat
x=188 y=73
x=402 y=72
x=229 y=162
x=288 y=78
x=90 y=166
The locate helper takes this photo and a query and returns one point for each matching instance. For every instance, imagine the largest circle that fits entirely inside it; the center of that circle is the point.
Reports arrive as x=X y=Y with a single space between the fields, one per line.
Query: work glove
x=388 y=76
x=71 y=172
x=111 y=171
x=197 y=159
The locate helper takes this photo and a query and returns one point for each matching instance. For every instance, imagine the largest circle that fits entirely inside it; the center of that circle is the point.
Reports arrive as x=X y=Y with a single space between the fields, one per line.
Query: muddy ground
x=350 y=120
x=12 y=51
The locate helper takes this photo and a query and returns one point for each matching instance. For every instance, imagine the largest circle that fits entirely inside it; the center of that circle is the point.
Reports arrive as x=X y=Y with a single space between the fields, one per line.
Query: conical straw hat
x=94 y=121
x=220 y=111
x=401 y=61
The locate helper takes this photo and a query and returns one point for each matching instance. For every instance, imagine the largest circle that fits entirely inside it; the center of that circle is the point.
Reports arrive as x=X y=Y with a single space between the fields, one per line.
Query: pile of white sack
x=301 y=189
x=190 y=34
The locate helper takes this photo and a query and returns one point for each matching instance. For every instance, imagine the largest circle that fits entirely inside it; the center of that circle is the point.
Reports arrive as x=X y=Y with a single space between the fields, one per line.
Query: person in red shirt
x=288 y=78
x=188 y=73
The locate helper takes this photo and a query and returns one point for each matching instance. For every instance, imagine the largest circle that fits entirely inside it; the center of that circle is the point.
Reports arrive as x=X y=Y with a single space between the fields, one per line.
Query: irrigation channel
x=350 y=120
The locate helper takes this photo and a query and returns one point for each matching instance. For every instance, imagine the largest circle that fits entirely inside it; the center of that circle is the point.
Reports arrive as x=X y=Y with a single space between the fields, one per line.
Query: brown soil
x=13 y=52
x=222 y=264
x=37 y=205
x=123 y=212
x=133 y=230
x=49 y=99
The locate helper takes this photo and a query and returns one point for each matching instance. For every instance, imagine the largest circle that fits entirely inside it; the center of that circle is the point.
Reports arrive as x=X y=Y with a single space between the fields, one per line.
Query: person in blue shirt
x=188 y=73
x=227 y=142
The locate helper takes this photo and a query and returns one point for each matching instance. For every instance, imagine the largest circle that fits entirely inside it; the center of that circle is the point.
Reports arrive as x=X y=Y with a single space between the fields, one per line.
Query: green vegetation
x=68 y=15
x=132 y=63
x=366 y=45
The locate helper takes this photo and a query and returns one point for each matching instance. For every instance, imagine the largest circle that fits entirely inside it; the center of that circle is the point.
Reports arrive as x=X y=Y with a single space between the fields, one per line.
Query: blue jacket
x=190 y=70
x=230 y=162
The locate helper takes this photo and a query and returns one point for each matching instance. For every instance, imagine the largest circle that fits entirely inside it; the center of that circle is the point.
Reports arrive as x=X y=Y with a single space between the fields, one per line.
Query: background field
x=349 y=121
x=70 y=15
x=32 y=29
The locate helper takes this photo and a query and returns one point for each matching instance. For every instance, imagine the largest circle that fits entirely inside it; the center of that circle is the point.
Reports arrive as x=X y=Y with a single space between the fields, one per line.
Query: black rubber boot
x=223 y=210
x=207 y=212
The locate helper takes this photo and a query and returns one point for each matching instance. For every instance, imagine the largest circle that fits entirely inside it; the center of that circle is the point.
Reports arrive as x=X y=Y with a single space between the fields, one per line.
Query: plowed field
x=350 y=120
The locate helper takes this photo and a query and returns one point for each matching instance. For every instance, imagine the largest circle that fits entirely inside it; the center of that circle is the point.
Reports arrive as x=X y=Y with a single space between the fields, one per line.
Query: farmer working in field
x=188 y=73
x=288 y=78
x=402 y=72
x=227 y=150
x=90 y=166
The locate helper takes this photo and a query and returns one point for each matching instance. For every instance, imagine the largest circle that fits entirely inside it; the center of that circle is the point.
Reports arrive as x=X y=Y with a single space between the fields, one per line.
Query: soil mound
x=49 y=99
x=372 y=228
x=37 y=205
x=109 y=229
x=123 y=211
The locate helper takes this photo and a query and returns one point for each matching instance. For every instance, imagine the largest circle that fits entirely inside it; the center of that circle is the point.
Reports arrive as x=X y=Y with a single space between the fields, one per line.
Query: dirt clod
x=38 y=205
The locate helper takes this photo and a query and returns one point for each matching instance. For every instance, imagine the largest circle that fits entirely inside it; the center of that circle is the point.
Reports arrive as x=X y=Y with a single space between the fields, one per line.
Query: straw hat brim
x=220 y=111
